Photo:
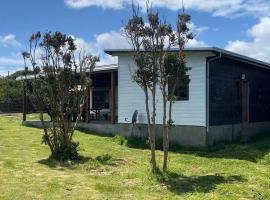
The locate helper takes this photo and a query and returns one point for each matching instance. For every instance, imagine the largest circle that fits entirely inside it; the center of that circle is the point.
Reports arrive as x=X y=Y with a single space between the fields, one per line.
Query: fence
x=15 y=106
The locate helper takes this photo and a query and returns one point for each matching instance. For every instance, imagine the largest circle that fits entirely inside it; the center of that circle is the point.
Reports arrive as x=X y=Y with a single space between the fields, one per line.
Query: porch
x=102 y=97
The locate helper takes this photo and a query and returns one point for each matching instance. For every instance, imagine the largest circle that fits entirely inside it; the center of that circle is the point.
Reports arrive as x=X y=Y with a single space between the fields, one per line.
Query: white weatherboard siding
x=131 y=96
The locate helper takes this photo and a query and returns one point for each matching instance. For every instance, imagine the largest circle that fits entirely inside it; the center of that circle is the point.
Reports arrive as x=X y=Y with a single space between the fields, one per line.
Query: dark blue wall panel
x=225 y=101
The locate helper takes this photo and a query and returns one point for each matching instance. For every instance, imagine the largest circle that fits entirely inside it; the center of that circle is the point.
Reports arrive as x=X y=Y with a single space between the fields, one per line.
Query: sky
x=241 y=26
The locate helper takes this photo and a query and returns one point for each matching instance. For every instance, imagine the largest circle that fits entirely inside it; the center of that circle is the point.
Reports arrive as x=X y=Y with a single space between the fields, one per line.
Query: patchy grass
x=114 y=168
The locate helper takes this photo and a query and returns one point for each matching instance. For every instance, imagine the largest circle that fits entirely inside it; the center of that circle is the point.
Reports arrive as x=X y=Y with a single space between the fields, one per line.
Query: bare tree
x=60 y=87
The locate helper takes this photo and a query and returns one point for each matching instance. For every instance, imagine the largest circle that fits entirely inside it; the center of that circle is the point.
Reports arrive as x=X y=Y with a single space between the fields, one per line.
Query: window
x=182 y=88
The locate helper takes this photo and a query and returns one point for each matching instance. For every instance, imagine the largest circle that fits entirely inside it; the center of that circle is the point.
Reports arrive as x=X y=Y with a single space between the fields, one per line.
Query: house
x=227 y=98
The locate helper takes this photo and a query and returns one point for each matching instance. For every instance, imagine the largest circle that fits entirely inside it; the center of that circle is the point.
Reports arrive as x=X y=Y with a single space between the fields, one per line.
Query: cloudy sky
x=241 y=26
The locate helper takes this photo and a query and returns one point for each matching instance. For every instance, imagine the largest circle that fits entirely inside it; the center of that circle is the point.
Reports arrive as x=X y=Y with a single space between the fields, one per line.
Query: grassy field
x=114 y=171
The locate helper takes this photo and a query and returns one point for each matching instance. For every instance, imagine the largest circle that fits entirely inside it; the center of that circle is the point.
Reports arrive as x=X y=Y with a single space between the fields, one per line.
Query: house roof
x=98 y=69
x=215 y=50
x=105 y=68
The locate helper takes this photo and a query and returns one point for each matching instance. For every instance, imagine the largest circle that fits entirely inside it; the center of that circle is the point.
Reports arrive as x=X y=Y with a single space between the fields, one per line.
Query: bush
x=119 y=139
x=68 y=151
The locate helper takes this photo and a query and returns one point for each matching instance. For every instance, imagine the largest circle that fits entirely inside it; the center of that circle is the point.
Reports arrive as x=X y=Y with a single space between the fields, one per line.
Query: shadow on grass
x=83 y=130
x=53 y=163
x=180 y=184
x=252 y=151
x=86 y=163
x=93 y=133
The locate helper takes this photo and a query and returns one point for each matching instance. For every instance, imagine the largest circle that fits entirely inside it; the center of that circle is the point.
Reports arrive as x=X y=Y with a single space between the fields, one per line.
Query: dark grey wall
x=225 y=93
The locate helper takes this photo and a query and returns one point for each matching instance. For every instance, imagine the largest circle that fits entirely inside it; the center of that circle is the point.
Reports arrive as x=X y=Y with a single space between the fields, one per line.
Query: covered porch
x=101 y=105
x=102 y=98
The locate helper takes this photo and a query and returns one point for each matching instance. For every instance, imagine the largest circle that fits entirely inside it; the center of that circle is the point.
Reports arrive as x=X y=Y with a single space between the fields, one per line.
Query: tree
x=60 y=86
x=176 y=70
x=10 y=94
x=148 y=42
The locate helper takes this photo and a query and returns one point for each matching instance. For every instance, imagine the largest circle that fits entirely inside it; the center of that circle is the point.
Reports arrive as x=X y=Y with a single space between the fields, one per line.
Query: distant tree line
x=11 y=92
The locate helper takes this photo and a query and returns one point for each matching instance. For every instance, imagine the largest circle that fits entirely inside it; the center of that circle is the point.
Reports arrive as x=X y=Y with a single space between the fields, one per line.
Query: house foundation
x=191 y=136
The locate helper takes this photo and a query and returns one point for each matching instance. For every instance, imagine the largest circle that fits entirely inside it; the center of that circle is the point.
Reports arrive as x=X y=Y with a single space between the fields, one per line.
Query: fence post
x=24 y=102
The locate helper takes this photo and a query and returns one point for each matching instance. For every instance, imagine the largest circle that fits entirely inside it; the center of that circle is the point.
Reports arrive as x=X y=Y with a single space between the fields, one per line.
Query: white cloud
x=10 y=64
x=95 y=49
x=9 y=41
x=77 y=4
x=259 y=47
x=196 y=43
x=197 y=29
x=217 y=7
x=116 y=40
x=110 y=40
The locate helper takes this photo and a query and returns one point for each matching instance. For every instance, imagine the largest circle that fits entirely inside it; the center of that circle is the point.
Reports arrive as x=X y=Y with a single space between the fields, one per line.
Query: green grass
x=115 y=169
x=35 y=117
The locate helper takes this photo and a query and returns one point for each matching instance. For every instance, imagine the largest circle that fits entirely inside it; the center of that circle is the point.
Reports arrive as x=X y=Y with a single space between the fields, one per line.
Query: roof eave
x=214 y=50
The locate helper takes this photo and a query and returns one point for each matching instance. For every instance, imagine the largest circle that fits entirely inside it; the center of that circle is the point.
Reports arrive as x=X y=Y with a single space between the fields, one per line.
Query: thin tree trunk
x=153 y=134
x=166 y=129
x=150 y=133
x=165 y=132
x=46 y=133
x=166 y=147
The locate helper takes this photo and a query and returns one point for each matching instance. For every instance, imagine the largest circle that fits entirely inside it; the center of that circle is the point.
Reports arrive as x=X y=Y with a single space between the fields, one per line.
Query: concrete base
x=194 y=136
x=244 y=132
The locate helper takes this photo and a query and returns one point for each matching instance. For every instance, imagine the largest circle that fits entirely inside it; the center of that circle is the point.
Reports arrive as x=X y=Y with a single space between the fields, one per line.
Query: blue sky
x=242 y=26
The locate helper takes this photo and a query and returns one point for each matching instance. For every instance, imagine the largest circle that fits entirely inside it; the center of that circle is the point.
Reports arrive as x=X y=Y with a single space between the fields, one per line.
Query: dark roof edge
x=204 y=49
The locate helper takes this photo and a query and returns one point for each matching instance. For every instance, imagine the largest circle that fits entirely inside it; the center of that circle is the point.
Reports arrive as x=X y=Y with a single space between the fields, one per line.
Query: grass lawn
x=114 y=171
x=35 y=117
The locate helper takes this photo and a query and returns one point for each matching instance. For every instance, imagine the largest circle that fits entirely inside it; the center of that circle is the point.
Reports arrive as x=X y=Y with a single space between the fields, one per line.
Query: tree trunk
x=166 y=129
x=165 y=132
x=153 y=132
x=165 y=147
x=46 y=133
x=150 y=133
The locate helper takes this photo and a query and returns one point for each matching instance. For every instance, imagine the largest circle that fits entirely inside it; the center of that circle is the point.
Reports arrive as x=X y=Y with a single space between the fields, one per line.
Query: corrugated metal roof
x=202 y=49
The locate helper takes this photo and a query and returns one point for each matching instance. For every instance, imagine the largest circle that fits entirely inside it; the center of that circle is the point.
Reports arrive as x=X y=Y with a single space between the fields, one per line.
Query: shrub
x=119 y=139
